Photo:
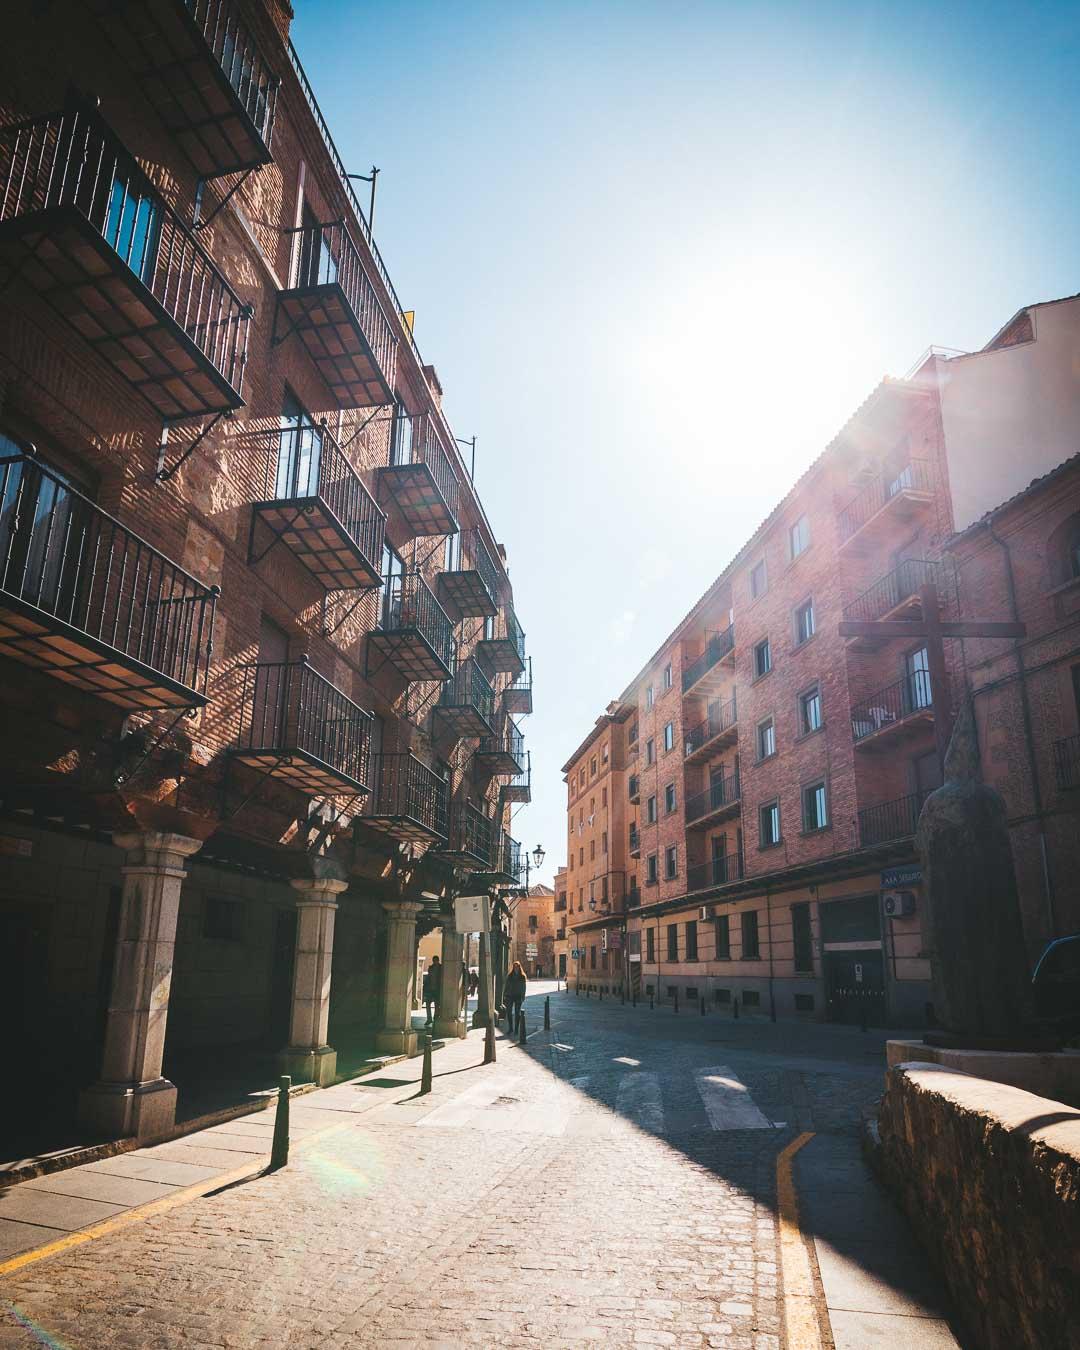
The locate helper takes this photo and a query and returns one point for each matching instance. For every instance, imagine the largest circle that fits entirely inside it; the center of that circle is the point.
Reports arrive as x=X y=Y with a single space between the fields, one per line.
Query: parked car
x=1055 y=985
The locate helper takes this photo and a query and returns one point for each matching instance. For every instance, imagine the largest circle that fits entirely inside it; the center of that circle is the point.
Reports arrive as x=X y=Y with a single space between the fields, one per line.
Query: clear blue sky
x=659 y=252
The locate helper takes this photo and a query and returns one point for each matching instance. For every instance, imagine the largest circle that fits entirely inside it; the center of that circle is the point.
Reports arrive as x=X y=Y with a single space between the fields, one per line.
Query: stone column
x=397 y=1036
x=131 y=1097
x=307 y=1056
x=450 y=1007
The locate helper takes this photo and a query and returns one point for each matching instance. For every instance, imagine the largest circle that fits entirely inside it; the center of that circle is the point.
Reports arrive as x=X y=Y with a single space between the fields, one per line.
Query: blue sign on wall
x=908 y=875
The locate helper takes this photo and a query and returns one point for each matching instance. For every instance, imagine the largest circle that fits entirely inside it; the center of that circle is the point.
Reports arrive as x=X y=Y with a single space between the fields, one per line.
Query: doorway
x=855 y=986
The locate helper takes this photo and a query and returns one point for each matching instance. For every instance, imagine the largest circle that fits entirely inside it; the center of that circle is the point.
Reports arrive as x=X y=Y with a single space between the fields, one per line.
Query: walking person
x=432 y=980
x=514 y=995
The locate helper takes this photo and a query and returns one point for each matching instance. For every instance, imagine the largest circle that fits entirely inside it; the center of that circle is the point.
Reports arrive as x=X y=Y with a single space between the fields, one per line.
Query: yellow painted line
x=801 y=1328
x=136 y=1215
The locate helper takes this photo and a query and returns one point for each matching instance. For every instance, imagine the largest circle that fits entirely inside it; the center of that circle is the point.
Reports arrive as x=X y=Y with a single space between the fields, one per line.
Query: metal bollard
x=676 y=1000
x=489 y=1042
x=601 y=994
x=633 y=999
x=547 y=1013
x=587 y=988
x=279 y=1149
x=735 y=1007
x=521 y=1027
x=425 y=1072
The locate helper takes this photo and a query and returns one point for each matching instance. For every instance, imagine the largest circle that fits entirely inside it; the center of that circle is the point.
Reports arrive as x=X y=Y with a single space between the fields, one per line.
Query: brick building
x=258 y=642
x=561 y=945
x=533 y=935
x=767 y=774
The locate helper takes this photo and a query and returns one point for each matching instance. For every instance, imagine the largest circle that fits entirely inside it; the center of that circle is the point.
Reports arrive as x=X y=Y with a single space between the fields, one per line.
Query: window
x=592 y=957
x=532 y=923
x=810 y=710
x=804 y=1003
x=650 y=944
x=604 y=753
x=650 y=752
x=804 y=623
x=133 y=226
x=603 y=842
x=592 y=849
x=669 y=736
x=723 y=995
x=581 y=776
x=759 y=579
x=751 y=998
x=603 y=796
x=650 y=697
x=799 y=537
x=581 y=857
x=592 y=767
x=766 y=738
x=801 y=938
x=592 y=808
x=633 y=734
x=762 y=659
x=769 y=824
x=650 y=810
x=691 y=993
x=691 y=940
x=750 y=949
x=669 y=798
x=651 y=872
x=814 y=808
x=667 y=676
x=671 y=862
x=571 y=862
x=673 y=942
x=223 y=920
x=723 y=937
x=581 y=898
x=917 y=671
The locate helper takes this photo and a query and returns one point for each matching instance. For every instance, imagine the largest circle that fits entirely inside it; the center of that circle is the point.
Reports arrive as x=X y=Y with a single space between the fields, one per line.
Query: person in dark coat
x=432 y=979
x=514 y=995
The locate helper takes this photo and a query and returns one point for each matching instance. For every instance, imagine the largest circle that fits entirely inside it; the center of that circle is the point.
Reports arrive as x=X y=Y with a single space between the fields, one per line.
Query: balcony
x=606 y=893
x=333 y=308
x=633 y=897
x=303 y=729
x=519 y=788
x=471 y=838
x=506 y=861
x=1067 y=762
x=901 y=709
x=897 y=595
x=421 y=480
x=719 y=800
x=408 y=800
x=317 y=505
x=92 y=604
x=90 y=234
x=635 y=842
x=716 y=872
x=470 y=588
x=466 y=705
x=203 y=71
x=501 y=756
x=414 y=634
x=719 y=729
x=893 y=496
x=518 y=697
x=706 y=673
x=633 y=789
x=890 y=820
x=502 y=648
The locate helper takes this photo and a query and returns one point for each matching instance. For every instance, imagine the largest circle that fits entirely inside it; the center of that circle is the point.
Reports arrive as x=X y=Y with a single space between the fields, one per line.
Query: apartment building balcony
x=887 y=821
x=1067 y=762
x=633 y=896
x=414 y=635
x=202 y=70
x=317 y=505
x=895 y=496
x=635 y=842
x=896 y=595
x=607 y=893
x=298 y=725
x=502 y=755
x=901 y=709
x=470 y=588
x=518 y=697
x=87 y=600
x=331 y=305
x=519 y=788
x=720 y=800
x=466 y=705
x=716 y=872
x=718 y=730
x=90 y=234
x=502 y=648
x=421 y=480
x=706 y=673
x=506 y=859
x=471 y=841
x=408 y=800
x=633 y=789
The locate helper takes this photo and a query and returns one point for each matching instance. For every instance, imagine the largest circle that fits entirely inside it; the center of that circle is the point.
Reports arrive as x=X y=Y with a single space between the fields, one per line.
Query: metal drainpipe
x=1025 y=707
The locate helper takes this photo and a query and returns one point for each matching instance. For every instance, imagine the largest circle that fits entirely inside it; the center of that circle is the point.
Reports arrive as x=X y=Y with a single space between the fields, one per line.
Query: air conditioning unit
x=705 y=912
x=898 y=904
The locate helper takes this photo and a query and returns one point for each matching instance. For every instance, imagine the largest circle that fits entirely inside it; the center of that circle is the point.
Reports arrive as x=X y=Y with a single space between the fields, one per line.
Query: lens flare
x=37 y=1330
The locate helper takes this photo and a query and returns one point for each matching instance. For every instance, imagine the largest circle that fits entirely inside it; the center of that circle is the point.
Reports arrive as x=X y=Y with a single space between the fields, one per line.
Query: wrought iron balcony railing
x=635 y=841
x=909 y=483
x=466 y=705
x=472 y=838
x=86 y=599
x=502 y=755
x=415 y=634
x=899 y=587
x=333 y=307
x=723 y=793
x=1067 y=762
x=895 y=709
x=633 y=897
x=890 y=820
x=408 y=800
x=518 y=697
x=721 y=719
x=202 y=69
x=716 y=872
x=92 y=235
x=506 y=859
x=469 y=587
x=420 y=477
x=717 y=648
x=633 y=788
x=502 y=648
x=316 y=503
x=303 y=728
x=519 y=787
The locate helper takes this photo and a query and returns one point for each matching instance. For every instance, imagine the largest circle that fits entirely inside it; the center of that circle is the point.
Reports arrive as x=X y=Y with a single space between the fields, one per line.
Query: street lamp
x=538 y=856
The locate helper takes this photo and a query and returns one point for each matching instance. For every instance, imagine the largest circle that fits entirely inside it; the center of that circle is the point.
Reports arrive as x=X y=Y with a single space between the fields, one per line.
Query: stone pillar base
x=450 y=1026
x=309 y=1066
x=120 y=1111
x=391 y=1042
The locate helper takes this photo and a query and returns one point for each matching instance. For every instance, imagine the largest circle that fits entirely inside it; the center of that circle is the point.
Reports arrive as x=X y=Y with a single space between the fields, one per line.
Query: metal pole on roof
x=371 y=178
x=472 y=461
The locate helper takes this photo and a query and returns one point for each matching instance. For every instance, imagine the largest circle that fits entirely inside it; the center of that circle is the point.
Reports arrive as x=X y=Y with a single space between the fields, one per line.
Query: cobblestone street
x=612 y=1182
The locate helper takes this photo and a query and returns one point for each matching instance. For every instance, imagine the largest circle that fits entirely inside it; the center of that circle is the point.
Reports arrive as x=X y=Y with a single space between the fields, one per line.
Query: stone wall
x=989 y=1176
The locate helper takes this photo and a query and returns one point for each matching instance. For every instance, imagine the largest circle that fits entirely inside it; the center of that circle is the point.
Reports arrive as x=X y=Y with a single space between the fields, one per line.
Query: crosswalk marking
x=727 y=1101
x=639 y=1101
x=511 y=1106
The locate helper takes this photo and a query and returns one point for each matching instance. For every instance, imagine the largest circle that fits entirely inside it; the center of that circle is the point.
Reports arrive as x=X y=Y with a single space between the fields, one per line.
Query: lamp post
x=538 y=856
